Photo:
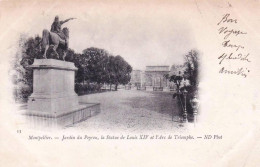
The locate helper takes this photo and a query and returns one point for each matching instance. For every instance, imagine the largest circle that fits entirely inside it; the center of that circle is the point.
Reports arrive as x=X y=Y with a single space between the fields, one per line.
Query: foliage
x=29 y=49
x=192 y=63
x=87 y=88
x=177 y=80
x=95 y=67
x=191 y=73
x=120 y=71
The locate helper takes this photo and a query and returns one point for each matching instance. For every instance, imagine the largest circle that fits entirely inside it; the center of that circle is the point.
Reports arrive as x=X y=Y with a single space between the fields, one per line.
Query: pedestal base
x=53 y=105
x=54 y=102
x=78 y=114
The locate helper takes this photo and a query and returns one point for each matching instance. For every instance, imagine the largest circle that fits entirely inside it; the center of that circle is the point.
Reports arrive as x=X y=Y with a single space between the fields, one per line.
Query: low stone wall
x=42 y=121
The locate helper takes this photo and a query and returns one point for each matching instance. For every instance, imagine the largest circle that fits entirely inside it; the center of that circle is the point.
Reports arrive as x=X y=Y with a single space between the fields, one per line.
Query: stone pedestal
x=53 y=87
x=53 y=94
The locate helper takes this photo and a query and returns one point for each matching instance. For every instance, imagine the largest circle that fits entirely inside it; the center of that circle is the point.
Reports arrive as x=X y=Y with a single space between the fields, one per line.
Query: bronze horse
x=53 y=39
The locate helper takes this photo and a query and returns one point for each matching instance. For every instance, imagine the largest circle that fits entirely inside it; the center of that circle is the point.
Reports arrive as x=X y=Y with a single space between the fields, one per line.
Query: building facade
x=155 y=76
x=136 y=78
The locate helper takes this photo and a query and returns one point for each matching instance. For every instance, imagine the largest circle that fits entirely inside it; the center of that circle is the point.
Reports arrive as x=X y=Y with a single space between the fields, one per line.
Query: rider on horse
x=56 y=27
x=55 y=37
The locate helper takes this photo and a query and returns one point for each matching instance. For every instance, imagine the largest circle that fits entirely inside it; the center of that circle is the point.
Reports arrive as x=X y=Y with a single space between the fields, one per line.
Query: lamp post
x=195 y=106
x=185 y=115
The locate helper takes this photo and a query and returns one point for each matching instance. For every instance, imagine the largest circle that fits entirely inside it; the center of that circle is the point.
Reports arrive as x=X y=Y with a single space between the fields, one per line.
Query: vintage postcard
x=114 y=83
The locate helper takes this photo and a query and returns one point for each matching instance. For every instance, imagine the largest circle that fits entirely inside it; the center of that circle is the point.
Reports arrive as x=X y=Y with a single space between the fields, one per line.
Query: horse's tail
x=45 y=38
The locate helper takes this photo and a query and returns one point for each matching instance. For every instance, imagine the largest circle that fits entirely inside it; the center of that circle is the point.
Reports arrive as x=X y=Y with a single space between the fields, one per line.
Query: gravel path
x=132 y=111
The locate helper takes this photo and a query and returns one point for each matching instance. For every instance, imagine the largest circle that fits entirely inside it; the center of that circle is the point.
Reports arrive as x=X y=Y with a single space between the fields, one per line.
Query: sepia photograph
x=61 y=80
x=123 y=83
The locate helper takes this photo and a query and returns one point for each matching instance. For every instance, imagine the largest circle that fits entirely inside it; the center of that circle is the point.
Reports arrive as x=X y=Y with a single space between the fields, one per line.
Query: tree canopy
x=95 y=65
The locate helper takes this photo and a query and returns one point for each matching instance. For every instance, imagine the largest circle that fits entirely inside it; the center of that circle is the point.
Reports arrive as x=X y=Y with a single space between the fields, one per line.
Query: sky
x=143 y=34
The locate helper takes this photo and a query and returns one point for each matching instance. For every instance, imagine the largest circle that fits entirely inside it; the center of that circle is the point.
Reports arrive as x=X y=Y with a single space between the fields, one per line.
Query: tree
x=177 y=80
x=96 y=61
x=29 y=49
x=110 y=71
x=103 y=67
x=192 y=70
x=81 y=62
x=95 y=67
x=120 y=71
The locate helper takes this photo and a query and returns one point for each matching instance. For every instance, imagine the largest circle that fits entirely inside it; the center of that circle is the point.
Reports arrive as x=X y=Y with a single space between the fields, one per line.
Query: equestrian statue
x=56 y=37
